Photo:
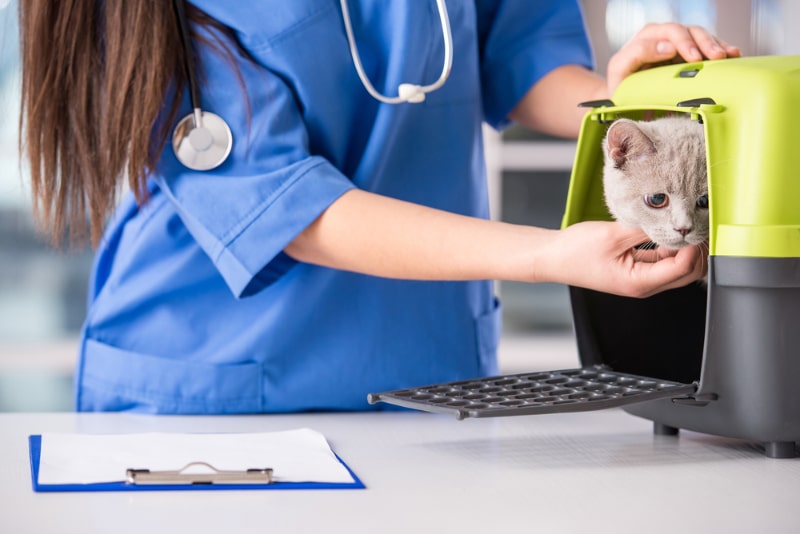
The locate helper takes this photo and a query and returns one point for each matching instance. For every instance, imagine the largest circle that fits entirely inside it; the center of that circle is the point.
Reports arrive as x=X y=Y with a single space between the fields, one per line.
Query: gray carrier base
x=750 y=360
x=723 y=360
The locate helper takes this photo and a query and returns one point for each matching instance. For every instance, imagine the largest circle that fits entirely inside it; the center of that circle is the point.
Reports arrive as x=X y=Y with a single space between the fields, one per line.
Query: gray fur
x=663 y=156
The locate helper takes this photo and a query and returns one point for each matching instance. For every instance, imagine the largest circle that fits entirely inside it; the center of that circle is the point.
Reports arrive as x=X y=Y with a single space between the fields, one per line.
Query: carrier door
x=571 y=390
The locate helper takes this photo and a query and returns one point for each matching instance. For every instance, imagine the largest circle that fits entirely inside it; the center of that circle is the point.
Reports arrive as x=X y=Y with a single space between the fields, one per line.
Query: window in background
x=10 y=190
x=767 y=27
x=42 y=291
x=625 y=17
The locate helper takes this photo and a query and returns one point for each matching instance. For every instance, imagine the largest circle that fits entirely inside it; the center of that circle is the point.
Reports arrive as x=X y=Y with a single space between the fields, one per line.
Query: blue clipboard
x=35 y=448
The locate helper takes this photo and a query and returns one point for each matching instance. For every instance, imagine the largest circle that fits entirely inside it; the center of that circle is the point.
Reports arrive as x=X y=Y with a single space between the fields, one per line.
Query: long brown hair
x=96 y=77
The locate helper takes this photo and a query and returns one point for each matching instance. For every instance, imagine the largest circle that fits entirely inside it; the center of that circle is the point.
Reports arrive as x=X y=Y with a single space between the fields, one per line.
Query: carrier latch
x=701 y=399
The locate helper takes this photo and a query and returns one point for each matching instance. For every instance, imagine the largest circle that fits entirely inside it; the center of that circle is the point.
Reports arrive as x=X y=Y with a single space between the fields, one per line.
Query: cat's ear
x=625 y=141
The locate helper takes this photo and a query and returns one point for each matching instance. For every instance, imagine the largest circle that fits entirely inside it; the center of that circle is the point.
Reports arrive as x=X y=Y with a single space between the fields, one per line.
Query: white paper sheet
x=301 y=455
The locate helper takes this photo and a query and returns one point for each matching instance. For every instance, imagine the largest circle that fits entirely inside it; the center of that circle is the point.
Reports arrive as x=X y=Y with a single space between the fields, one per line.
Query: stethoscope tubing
x=188 y=52
x=419 y=90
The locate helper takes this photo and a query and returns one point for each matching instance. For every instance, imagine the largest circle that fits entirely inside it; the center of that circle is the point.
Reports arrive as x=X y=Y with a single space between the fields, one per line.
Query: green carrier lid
x=750 y=108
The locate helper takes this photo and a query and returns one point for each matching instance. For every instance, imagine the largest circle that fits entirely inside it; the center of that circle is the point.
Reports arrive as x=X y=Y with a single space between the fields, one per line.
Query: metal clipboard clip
x=181 y=477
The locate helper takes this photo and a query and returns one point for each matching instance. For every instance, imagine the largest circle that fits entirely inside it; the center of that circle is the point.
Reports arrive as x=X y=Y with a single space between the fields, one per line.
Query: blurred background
x=42 y=291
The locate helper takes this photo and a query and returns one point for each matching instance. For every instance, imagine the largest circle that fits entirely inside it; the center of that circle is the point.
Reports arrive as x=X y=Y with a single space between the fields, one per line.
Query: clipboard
x=35 y=449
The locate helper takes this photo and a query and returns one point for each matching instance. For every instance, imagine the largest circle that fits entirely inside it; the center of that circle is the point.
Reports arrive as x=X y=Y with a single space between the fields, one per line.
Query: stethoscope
x=202 y=140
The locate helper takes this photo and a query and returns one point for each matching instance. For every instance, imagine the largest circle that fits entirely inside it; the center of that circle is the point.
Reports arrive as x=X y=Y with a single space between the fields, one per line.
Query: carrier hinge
x=696 y=103
x=597 y=104
x=601 y=118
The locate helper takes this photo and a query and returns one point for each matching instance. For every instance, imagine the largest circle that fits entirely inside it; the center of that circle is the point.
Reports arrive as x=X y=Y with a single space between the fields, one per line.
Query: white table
x=594 y=472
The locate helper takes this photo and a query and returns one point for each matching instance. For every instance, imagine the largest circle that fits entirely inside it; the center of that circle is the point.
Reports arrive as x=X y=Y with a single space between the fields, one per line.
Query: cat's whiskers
x=641 y=249
x=704 y=247
x=719 y=162
x=717 y=185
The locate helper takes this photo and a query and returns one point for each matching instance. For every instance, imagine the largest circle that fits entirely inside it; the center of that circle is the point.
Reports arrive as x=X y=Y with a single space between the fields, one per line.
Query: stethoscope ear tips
x=202 y=141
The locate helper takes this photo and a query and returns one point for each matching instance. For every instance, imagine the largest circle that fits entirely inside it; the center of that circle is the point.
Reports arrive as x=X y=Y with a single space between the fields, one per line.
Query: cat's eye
x=702 y=201
x=656 y=200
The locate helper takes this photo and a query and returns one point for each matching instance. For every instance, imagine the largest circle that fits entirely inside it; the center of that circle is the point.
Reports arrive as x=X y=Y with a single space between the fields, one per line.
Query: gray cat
x=654 y=178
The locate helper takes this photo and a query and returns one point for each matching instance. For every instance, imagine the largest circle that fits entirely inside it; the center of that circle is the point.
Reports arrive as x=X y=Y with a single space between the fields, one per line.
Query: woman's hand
x=601 y=256
x=657 y=44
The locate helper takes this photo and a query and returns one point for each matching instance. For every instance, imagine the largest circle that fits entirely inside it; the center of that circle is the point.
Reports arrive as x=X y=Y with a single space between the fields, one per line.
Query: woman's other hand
x=602 y=256
x=657 y=44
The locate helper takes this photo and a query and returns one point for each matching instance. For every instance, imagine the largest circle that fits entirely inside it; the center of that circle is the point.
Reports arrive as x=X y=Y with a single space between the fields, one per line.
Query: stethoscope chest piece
x=202 y=140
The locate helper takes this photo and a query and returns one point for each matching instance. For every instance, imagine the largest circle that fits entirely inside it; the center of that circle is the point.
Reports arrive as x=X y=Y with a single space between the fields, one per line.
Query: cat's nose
x=683 y=231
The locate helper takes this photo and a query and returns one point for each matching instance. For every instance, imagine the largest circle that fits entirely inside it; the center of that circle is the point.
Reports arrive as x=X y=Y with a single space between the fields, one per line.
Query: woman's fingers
x=657 y=44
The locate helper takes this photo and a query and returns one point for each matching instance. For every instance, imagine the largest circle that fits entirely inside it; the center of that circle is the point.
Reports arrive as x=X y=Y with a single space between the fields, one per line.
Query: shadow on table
x=600 y=450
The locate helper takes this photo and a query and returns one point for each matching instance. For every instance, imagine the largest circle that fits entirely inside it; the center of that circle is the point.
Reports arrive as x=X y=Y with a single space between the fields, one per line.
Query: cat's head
x=654 y=178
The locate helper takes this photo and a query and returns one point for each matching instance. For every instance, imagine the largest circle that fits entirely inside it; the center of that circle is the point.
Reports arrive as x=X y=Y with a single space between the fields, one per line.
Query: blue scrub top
x=193 y=306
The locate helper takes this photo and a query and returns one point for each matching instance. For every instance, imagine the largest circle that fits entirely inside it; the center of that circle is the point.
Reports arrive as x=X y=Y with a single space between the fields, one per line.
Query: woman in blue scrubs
x=344 y=246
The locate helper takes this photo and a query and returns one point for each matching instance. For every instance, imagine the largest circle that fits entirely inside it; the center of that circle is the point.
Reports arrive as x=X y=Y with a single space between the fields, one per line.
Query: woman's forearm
x=381 y=236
